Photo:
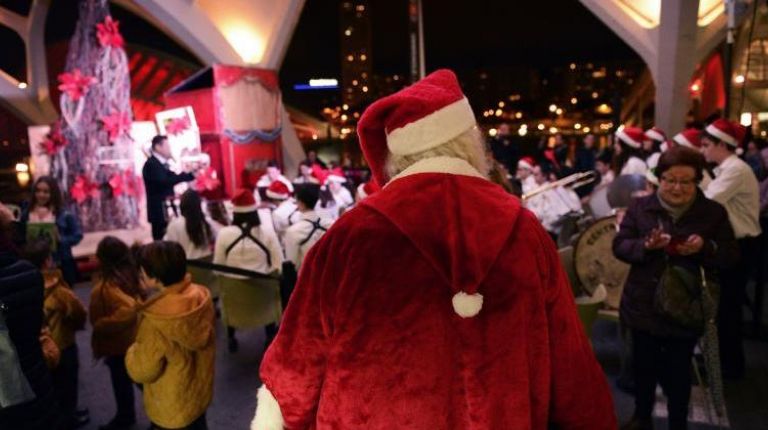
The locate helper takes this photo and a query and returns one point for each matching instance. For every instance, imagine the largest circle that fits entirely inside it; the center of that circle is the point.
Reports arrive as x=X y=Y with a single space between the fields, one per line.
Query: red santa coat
x=370 y=339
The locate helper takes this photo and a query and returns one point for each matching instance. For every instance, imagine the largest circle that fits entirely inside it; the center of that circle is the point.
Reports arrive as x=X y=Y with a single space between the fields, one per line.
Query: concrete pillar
x=675 y=62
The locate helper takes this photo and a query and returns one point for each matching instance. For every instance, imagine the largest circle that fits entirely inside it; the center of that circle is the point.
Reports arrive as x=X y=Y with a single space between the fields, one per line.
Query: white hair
x=468 y=146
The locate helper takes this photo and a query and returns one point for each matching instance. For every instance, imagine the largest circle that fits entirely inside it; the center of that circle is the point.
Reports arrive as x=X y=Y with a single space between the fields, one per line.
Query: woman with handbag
x=675 y=240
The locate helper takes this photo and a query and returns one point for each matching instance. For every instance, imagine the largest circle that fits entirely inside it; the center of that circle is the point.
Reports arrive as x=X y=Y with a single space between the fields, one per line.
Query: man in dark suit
x=158 y=183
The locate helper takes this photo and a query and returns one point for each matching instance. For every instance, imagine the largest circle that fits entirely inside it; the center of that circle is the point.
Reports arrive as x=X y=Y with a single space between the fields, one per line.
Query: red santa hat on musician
x=656 y=134
x=526 y=163
x=335 y=175
x=690 y=137
x=277 y=190
x=423 y=116
x=243 y=201
x=631 y=136
x=727 y=131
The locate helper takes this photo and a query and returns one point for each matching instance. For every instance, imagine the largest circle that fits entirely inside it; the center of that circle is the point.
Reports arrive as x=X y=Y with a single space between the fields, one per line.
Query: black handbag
x=686 y=298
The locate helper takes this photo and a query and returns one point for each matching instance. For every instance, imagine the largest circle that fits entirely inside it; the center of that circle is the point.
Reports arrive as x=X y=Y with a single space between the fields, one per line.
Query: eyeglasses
x=673 y=182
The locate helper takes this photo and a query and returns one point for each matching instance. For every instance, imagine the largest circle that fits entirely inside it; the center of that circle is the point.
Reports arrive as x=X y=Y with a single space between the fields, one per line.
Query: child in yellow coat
x=173 y=356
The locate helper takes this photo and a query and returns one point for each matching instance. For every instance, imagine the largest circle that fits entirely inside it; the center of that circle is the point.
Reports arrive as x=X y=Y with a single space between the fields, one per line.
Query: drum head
x=595 y=263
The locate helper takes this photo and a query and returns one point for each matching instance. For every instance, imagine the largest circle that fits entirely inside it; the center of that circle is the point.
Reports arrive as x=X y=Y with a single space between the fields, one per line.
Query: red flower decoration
x=54 y=140
x=320 y=173
x=75 y=84
x=116 y=183
x=116 y=124
x=178 y=125
x=207 y=180
x=131 y=183
x=82 y=189
x=108 y=33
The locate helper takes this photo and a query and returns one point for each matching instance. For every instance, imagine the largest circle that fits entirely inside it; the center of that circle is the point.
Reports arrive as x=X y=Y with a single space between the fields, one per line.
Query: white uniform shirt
x=177 y=232
x=301 y=230
x=736 y=188
x=653 y=160
x=246 y=254
x=529 y=184
x=634 y=166
x=549 y=206
x=285 y=215
x=343 y=198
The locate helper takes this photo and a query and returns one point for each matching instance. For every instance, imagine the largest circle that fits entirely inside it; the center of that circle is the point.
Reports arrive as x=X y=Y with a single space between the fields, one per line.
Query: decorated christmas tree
x=90 y=148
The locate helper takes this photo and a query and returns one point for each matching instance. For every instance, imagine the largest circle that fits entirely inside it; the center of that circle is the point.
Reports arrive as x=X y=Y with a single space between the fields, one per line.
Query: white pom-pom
x=467 y=305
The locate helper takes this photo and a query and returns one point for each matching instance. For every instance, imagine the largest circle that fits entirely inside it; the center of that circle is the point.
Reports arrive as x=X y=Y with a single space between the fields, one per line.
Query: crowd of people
x=436 y=342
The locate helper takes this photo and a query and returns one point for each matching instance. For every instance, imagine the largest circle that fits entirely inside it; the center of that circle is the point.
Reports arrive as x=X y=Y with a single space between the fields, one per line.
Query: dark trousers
x=122 y=387
x=158 y=229
x=198 y=424
x=730 y=316
x=666 y=361
x=65 y=382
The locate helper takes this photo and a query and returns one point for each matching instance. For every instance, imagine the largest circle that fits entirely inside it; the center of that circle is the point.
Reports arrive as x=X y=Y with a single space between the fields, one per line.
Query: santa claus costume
x=436 y=303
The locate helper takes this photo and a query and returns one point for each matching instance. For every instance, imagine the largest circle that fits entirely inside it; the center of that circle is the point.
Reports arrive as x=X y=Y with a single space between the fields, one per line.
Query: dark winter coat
x=706 y=218
x=21 y=290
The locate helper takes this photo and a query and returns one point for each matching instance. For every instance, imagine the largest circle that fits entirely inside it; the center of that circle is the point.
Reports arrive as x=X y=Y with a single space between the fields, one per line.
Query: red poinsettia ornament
x=54 y=140
x=178 y=125
x=132 y=183
x=117 y=184
x=82 y=189
x=108 y=33
x=116 y=124
x=75 y=84
x=206 y=180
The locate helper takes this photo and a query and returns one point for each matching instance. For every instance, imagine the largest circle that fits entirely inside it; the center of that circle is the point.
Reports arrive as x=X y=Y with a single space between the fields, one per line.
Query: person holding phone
x=676 y=225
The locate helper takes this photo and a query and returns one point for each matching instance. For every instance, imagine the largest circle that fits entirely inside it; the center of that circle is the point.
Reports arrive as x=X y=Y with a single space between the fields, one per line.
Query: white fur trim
x=725 y=137
x=268 y=415
x=467 y=305
x=524 y=164
x=655 y=135
x=336 y=178
x=432 y=130
x=680 y=138
x=276 y=196
x=664 y=147
x=361 y=191
x=244 y=209
x=628 y=140
x=451 y=165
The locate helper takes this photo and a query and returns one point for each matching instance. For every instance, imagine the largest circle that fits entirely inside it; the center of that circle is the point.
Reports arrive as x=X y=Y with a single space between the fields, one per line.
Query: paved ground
x=237 y=380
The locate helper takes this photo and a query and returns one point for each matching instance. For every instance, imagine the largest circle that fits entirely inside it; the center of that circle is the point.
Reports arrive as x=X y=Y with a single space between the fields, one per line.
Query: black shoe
x=638 y=424
x=119 y=423
x=233 y=345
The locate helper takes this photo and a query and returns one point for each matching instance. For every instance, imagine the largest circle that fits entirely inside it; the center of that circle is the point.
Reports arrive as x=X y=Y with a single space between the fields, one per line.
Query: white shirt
x=343 y=198
x=529 y=184
x=606 y=179
x=285 y=215
x=246 y=254
x=634 y=166
x=736 y=188
x=177 y=232
x=300 y=231
x=653 y=160
x=549 y=206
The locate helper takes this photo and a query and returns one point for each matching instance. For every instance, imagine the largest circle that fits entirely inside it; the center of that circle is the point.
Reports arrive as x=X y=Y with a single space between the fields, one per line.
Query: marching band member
x=628 y=152
x=306 y=174
x=691 y=138
x=603 y=167
x=308 y=229
x=654 y=144
x=525 y=174
x=273 y=174
x=551 y=205
x=286 y=212
x=341 y=194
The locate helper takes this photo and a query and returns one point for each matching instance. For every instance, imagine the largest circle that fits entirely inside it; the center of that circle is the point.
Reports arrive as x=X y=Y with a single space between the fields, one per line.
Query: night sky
x=489 y=34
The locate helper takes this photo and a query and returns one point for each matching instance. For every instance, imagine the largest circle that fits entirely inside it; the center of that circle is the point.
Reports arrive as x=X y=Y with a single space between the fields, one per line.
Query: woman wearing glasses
x=677 y=226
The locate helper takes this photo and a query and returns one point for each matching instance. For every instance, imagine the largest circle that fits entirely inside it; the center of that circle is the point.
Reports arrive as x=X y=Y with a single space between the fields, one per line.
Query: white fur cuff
x=268 y=414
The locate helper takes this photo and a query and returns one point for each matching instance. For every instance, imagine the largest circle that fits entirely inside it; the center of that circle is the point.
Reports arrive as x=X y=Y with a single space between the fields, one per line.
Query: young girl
x=46 y=207
x=113 y=310
x=173 y=356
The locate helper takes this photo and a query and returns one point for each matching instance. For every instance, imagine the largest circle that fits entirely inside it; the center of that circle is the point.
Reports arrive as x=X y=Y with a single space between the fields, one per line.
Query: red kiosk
x=239 y=114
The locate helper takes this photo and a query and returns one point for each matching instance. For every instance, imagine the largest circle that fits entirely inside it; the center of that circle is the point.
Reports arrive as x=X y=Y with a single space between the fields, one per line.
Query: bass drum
x=595 y=263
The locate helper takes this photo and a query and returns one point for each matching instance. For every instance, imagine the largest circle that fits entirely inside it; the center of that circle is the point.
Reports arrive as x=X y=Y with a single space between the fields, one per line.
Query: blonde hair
x=468 y=146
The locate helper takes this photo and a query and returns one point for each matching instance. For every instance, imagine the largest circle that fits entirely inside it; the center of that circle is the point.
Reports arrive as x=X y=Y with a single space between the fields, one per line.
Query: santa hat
x=243 y=201
x=632 y=136
x=656 y=134
x=336 y=175
x=727 y=131
x=422 y=116
x=278 y=191
x=526 y=163
x=366 y=189
x=690 y=137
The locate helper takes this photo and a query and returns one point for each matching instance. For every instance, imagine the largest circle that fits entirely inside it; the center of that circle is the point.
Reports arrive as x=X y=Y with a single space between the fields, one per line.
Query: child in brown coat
x=113 y=310
x=173 y=356
x=63 y=314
